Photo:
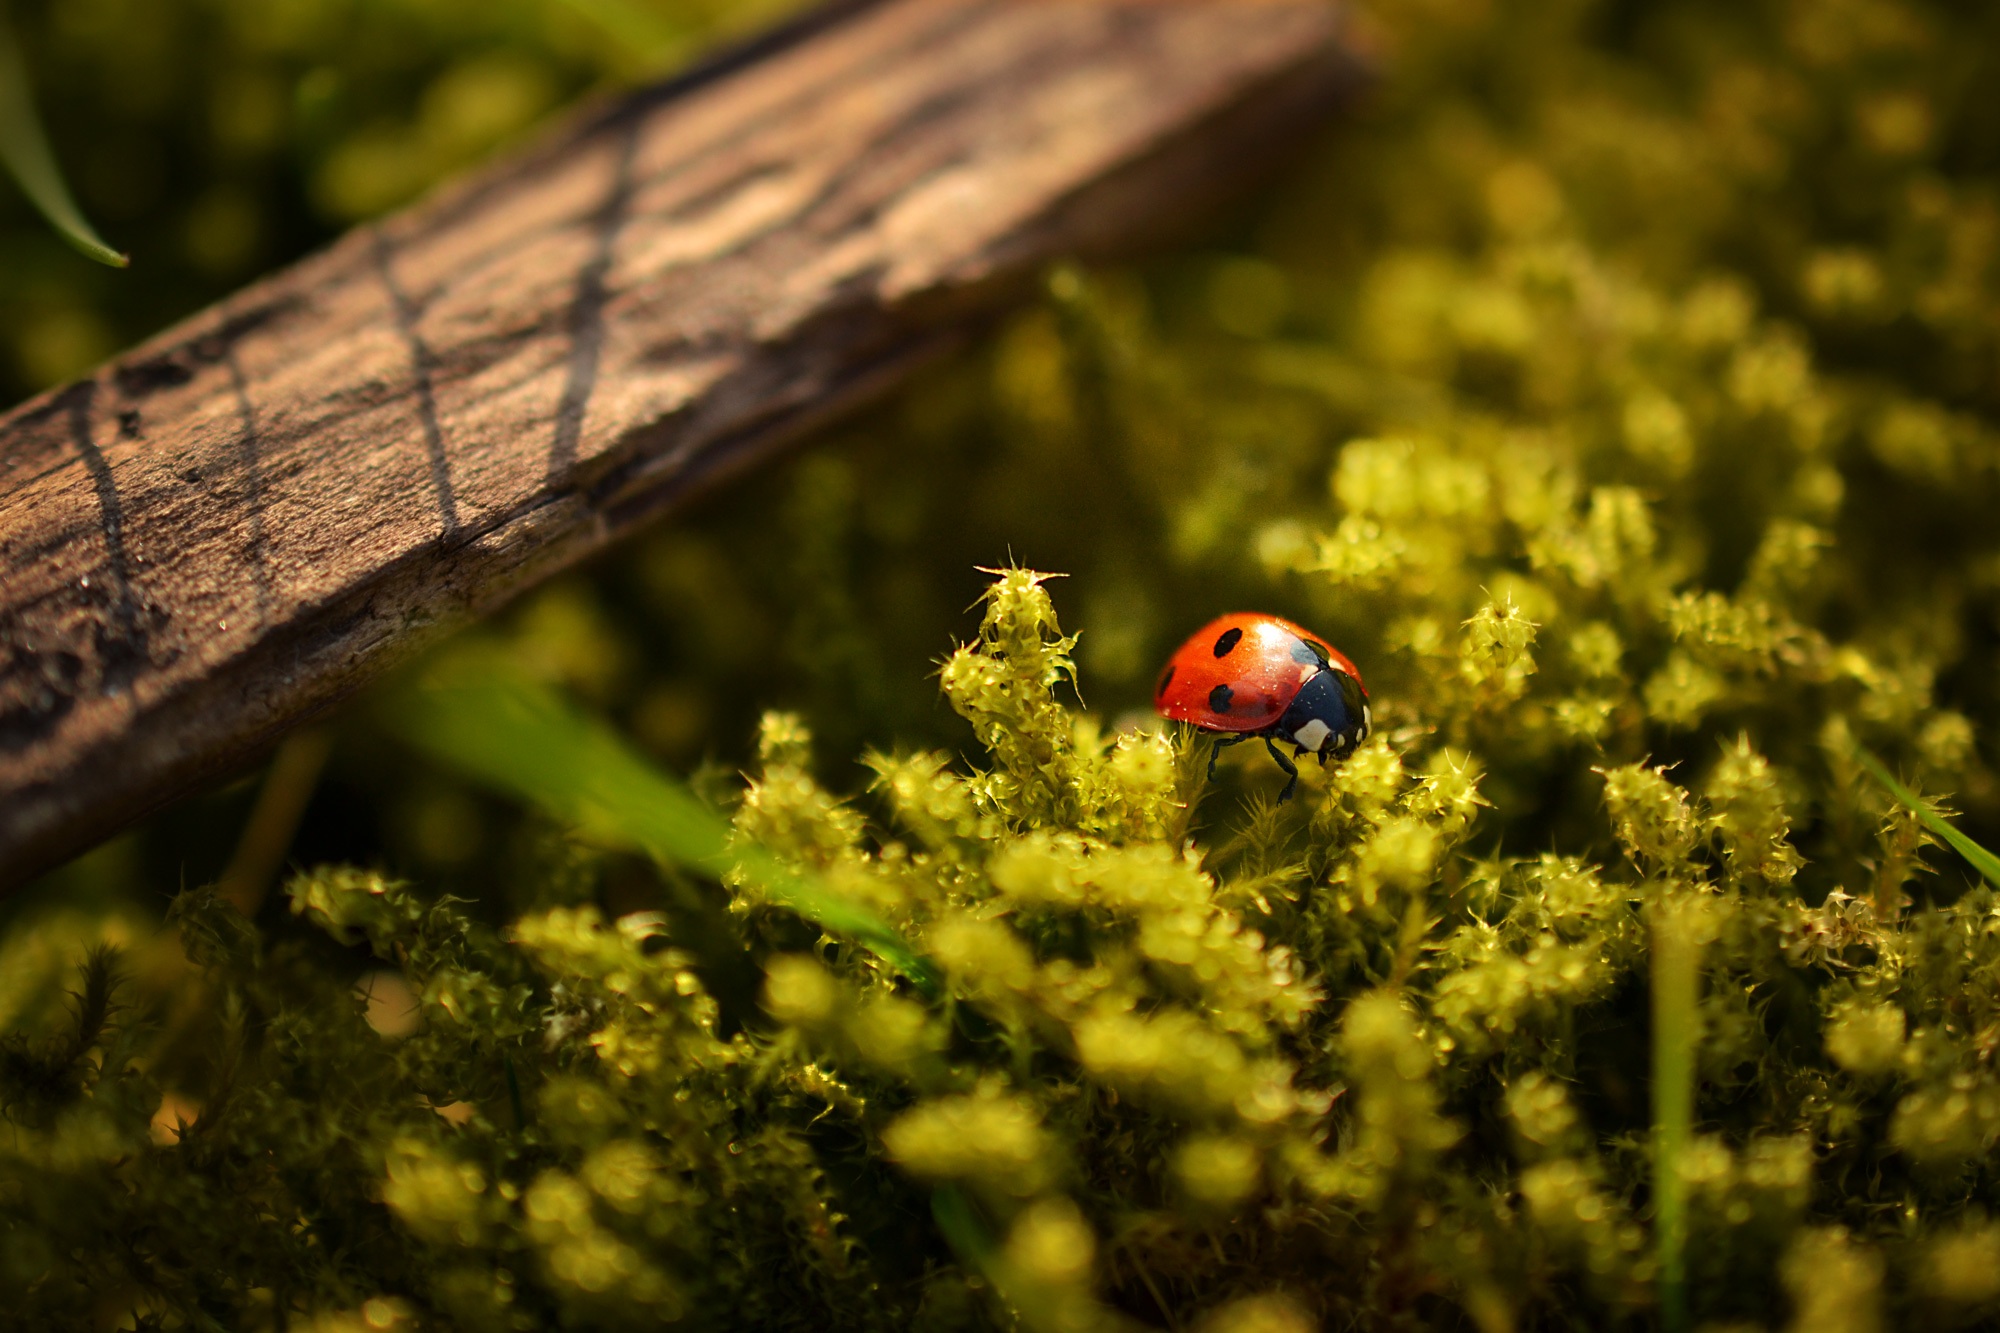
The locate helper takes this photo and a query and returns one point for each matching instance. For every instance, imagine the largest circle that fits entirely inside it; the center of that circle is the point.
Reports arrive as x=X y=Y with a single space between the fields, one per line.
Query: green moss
x=1617 y=392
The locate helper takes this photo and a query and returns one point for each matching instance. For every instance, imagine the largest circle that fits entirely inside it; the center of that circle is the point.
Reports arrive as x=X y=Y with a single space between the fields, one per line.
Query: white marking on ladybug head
x=1312 y=735
x=1367 y=720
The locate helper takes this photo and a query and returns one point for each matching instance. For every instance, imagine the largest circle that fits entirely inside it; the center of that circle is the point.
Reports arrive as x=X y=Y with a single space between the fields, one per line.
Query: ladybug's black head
x=1328 y=716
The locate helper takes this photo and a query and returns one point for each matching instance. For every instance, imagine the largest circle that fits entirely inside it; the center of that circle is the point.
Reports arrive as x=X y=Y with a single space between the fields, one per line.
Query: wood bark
x=232 y=526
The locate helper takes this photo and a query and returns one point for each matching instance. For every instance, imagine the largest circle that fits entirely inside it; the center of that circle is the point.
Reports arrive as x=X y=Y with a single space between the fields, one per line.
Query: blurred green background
x=216 y=139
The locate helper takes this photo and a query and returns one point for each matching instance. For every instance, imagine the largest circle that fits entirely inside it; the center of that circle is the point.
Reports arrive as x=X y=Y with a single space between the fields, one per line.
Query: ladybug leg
x=1291 y=771
x=1215 y=751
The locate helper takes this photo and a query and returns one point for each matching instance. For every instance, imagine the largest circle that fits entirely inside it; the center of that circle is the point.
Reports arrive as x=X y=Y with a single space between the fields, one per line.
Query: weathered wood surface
x=237 y=523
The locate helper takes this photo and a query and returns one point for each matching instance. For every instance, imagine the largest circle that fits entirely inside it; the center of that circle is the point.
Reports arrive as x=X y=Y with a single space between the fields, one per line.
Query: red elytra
x=1249 y=675
x=1261 y=666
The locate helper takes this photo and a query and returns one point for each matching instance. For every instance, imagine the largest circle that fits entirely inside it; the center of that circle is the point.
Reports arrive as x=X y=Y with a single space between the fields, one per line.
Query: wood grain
x=232 y=526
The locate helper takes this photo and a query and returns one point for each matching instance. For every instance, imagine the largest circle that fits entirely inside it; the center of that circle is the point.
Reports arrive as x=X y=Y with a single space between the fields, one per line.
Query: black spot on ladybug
x=1166 y=679
x=1230 y=638
x=1219 y=698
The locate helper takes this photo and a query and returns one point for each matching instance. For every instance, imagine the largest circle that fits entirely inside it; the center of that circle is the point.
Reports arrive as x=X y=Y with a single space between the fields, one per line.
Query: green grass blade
x=24 y=148
x=1985 y=862
x=521 y=738
x=1677 y=930
x=964 y=1230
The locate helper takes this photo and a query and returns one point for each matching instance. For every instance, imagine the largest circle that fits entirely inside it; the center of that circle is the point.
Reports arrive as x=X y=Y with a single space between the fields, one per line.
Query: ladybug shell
x=1240 y=672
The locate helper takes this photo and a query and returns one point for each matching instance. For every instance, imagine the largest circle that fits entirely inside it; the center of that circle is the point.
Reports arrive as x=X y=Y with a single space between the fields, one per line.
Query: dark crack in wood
x=407 y=314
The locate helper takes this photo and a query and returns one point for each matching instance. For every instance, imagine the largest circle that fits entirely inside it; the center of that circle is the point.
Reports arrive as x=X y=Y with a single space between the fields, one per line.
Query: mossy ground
x=1621 y=389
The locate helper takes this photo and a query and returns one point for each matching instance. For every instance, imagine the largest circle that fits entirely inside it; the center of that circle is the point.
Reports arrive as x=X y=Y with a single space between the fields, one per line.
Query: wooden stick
x=227 y=529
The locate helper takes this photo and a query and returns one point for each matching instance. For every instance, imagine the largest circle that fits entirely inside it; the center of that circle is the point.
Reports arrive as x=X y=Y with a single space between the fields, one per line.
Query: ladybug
x=1247 y=675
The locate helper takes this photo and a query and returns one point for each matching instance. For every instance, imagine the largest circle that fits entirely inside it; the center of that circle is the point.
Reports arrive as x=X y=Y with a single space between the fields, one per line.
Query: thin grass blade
x=1678 y=928
x=1985 y=862
x=24 y=149
x=520 y=737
